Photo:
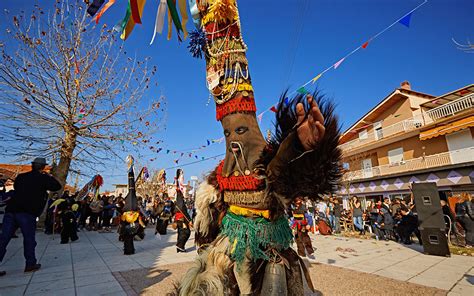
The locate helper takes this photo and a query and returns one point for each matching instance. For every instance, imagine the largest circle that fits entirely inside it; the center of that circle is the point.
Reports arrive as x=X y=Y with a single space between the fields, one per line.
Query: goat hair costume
x=242 y=232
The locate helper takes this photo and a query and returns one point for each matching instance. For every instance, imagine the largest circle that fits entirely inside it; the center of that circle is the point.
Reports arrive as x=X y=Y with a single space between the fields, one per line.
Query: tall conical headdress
x=227 y=70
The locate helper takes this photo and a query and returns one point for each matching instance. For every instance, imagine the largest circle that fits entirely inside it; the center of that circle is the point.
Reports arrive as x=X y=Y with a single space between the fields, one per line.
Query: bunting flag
x=406 y=20
x=302 y=90
x=336 y=65
x=136 y=12
x=167 y=151
x=103 y=10
x=364 y=46
x=259 y=117
x=121 y=27
x=273 y=109
x=184 y=16
x=131 y=21
x=173 y=15
x=160 y=19
x=94 y=7
x=287 y=101
x=316 y=78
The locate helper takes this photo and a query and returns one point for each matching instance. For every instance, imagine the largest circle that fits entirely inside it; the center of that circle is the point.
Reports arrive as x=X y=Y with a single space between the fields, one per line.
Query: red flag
x=364 y=46
x=273 y=109
x=135 y=12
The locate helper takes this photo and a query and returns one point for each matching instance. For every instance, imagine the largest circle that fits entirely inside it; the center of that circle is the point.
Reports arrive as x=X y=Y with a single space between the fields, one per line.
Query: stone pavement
x=89 y=266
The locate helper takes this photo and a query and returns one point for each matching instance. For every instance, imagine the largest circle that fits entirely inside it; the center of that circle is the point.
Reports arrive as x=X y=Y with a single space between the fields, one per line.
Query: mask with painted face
x=244 y=143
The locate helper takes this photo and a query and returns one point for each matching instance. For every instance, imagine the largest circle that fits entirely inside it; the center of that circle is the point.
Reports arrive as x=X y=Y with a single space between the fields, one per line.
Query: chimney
x=405 y=85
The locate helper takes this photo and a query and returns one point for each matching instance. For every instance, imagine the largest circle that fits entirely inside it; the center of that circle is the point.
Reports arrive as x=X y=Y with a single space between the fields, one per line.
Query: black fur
x=316 y=172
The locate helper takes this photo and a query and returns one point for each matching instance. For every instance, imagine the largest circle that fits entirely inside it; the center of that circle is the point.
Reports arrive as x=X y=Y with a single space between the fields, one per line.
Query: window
x=395 y=156
x=378 y=130
x=363 y=135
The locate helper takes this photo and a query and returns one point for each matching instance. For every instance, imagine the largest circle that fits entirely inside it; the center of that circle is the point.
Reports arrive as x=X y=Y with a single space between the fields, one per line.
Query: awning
x=448 y=128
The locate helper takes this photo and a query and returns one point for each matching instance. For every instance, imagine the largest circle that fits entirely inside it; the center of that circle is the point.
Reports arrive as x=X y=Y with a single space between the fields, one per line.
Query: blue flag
x=406 y=20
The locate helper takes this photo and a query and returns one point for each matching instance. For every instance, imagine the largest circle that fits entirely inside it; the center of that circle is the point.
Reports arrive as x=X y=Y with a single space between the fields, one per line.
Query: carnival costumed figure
x=64 y=210
x=181 y=217
x=131 y=221
x=242 y=232
x=165 y=214
x=301 y=224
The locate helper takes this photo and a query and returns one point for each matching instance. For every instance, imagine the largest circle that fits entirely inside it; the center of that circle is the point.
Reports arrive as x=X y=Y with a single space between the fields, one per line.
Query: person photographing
x=28 y=202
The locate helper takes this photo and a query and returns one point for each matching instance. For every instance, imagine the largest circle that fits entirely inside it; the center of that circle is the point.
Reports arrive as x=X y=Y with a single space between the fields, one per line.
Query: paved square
x=89 y=265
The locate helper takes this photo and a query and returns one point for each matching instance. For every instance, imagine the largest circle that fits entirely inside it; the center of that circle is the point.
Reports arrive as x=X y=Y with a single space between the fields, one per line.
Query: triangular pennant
x=302 y=90
x=167 y=151
x=259 y=117
x=208 y=142
x=364 y=46
x=273 y=109
x=287 y=101
x=406 y=20
x=336 y=65
x=317 y=77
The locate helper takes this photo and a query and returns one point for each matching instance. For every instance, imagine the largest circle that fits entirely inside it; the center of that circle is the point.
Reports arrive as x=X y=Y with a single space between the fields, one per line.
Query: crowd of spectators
x=388 y=219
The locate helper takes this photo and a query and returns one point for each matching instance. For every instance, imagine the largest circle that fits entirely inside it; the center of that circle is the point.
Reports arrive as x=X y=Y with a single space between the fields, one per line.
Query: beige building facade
x=411 y=137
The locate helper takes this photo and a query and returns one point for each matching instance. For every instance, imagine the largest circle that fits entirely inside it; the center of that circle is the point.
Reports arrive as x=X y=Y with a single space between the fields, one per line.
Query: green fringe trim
x=257 y=234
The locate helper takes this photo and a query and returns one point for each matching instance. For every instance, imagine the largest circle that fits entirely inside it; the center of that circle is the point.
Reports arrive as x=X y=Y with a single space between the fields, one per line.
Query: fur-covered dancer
x=242 y=232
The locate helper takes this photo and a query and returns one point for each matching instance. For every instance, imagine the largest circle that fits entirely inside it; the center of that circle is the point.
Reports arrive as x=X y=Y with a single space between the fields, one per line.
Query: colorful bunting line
x=404 y=20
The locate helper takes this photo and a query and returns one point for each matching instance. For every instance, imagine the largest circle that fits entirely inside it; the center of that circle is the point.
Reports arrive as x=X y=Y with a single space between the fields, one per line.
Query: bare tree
x=69 y=91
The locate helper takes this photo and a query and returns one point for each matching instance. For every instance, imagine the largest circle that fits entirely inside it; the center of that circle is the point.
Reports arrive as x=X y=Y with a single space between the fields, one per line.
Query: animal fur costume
x=242 y=231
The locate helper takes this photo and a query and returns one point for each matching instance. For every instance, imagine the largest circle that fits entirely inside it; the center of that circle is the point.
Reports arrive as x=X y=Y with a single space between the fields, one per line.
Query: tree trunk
x=61 y=171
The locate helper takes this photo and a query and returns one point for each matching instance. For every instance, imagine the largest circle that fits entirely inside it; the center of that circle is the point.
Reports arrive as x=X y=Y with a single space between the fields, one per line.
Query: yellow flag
x=317 y=77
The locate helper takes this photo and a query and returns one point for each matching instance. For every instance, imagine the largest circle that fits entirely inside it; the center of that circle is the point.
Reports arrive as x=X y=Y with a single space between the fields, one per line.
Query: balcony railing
x=441 y=112
x=451 y=108
x=415 y=164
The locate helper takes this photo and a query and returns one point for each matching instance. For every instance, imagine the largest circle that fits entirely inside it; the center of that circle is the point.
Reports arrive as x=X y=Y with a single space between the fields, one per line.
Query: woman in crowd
x=357 y=215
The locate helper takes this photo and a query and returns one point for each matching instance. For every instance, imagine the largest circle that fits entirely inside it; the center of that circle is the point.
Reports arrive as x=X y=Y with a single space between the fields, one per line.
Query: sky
x=290 y=42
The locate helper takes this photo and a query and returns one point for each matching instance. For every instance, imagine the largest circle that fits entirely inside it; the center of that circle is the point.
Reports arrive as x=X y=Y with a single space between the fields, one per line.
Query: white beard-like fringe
x=208 y=274
x=205 y=196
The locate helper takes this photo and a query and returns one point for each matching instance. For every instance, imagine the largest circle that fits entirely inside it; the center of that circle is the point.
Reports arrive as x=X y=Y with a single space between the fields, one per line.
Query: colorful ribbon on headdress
x=131 y=21
x=103 y=10
x=160 y=19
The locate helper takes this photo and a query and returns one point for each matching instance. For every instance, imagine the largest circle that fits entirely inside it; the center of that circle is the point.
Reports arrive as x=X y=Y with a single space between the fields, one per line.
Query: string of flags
x=187 y=153
x=170 y=8
x=404 y=20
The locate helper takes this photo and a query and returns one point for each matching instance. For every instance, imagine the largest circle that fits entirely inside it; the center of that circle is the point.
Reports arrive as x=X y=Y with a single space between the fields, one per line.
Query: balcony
x=415 y=164
x=428 y=117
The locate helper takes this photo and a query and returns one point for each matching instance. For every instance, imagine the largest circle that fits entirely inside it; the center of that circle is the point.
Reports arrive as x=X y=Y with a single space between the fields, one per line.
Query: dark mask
x=244 y=143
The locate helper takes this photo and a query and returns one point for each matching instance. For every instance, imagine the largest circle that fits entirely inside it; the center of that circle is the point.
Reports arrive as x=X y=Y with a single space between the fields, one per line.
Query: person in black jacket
x=25 y=206
x=465 y=216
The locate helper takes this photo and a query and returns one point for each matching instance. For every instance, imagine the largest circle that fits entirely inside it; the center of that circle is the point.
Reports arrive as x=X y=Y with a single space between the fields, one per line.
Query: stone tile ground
x=90 y=265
